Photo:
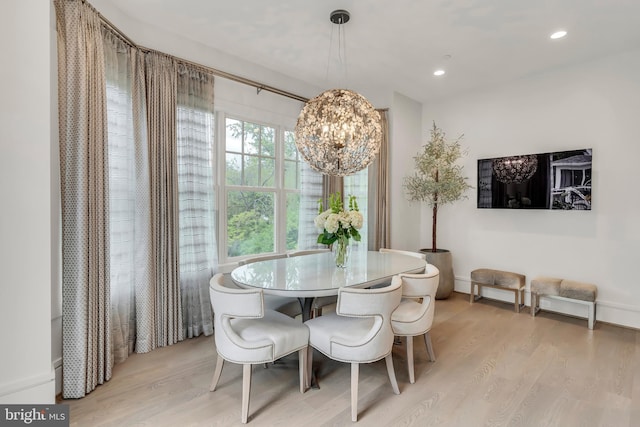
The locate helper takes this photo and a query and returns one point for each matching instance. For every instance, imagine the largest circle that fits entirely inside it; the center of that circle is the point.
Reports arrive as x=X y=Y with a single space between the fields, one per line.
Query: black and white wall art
x=560 y=180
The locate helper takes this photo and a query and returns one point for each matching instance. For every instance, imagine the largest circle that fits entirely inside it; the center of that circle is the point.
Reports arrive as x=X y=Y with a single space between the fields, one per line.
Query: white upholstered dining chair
x=247 y=334
x=358 y=332
x=414 y=315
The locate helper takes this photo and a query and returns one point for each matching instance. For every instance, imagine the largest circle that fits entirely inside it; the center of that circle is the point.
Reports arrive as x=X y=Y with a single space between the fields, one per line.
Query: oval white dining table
x=316 y=275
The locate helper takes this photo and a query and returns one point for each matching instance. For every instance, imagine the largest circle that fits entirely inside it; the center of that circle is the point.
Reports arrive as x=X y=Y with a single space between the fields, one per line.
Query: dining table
x=316 y=275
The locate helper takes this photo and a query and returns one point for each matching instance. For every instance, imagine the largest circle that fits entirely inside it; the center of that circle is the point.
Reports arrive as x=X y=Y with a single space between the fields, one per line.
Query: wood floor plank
x=494 y=367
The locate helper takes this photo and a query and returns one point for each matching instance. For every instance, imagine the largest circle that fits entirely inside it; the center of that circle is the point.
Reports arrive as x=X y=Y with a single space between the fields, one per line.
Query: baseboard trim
x=57 y=367
x=38 y=389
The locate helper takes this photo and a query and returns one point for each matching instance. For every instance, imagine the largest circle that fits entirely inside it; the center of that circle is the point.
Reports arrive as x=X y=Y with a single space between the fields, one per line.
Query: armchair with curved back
x=358 y=332
x=414 y=315
x=247 y=334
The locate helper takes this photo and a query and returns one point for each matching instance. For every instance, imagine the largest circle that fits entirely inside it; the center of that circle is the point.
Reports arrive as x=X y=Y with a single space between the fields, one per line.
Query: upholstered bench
x=564 y=290
x=499 y=279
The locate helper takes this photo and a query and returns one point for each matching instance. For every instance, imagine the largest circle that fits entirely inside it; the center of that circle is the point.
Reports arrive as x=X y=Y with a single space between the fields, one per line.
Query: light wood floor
x=494 y=368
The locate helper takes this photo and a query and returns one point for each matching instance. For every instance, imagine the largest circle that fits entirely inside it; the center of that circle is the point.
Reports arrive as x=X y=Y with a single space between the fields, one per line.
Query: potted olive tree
x=438 y=180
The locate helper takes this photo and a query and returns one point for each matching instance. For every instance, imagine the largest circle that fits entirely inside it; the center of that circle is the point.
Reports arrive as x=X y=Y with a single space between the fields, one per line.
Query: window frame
x=223 y=189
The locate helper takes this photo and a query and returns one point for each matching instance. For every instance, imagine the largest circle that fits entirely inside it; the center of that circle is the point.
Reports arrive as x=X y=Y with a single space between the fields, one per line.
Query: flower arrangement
x=339 y=225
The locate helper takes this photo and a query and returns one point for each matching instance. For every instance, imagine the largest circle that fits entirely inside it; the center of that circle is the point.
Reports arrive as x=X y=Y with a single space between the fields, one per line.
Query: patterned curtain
x=358 y=185
x=198 y=257
x=136 y=153
x=310 y=193
x=161 y=83
x=130 y=237
x=86 y=343
x=121 y=195
x=142 y=244
x=380 y=226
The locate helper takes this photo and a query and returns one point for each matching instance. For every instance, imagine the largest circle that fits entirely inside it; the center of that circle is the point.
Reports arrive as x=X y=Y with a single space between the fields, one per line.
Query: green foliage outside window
x=251 y=161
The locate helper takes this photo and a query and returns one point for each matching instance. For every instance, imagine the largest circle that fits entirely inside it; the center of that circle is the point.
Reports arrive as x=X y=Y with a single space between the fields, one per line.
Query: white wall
x=406 y=138
x=26 y=374
x=590 y=105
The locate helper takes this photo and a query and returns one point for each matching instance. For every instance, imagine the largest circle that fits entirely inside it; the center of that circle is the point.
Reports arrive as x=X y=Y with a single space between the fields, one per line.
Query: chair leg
x=412 y=377
x=355 y=370
x=427 y=341
x=216 y=373
x=302 y=367
x=309 y=351
x=246 y=391
x=392 y=373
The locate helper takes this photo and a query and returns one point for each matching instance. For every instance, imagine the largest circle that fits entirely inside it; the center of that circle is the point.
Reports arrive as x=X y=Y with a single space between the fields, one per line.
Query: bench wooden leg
x=534 y=300
x=472 y=292
x=521 y=293
x=592 y=314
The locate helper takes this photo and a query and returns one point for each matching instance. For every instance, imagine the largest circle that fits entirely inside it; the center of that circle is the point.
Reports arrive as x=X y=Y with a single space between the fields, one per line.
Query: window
x=262 y=176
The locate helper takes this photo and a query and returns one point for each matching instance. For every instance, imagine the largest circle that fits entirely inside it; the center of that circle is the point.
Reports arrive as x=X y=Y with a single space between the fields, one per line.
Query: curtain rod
x=259 y=86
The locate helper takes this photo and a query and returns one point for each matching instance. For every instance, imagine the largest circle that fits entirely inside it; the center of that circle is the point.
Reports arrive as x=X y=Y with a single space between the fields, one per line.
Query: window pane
x=251 y=138
x=251 y=171
x=234 y=169
x=234 y=136
x=267 y=173
x=268 y=147
x=250 y=223
x=293 y=210
x=290 y=150
x=290 y=174
x=310 y=193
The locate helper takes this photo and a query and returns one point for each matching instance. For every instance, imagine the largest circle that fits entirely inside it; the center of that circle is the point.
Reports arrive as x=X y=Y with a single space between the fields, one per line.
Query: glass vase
x=341 y=249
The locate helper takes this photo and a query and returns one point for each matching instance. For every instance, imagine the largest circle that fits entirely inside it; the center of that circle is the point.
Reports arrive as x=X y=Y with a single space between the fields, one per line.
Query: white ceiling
x=395 y=45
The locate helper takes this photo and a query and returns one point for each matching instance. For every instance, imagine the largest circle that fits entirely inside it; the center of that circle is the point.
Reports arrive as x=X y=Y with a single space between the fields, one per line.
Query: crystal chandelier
x=515 y=169
x=338 y=132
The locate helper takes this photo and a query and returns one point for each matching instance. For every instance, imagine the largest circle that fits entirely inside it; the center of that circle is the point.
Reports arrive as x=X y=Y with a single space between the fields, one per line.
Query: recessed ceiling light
x=438 y=73
x=558 y=34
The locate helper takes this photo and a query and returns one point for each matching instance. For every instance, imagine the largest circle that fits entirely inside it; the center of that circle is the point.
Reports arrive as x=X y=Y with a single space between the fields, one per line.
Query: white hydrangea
x=332 y=223
x=320 y=220
x=356 y=219
x=338 y=223
x=344 y=220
